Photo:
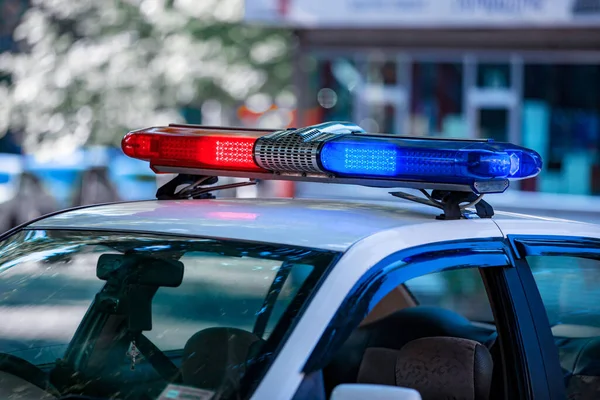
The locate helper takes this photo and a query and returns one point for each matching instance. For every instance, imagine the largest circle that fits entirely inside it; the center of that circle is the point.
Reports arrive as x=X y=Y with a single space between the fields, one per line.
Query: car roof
x=322 y=224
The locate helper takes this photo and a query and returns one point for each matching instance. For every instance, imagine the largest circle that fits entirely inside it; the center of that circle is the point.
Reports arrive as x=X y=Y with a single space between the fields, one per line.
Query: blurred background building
x=524 y=71
x=75 y=76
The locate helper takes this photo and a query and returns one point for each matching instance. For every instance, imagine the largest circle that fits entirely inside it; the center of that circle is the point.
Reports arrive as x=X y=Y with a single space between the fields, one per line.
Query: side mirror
x=356 y=391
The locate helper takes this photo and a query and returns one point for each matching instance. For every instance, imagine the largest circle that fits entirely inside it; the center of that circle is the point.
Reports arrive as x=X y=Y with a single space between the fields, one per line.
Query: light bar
x=336 y=152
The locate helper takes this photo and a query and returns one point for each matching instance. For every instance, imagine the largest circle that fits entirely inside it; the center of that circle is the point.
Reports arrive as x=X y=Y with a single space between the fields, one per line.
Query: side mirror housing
x=356 y=391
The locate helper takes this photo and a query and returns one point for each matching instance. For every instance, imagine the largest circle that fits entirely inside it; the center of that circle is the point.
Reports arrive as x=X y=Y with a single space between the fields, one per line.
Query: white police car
x=195 y=297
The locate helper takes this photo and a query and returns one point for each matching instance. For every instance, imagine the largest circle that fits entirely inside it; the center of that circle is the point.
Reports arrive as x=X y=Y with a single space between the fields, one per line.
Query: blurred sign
x=414 y=13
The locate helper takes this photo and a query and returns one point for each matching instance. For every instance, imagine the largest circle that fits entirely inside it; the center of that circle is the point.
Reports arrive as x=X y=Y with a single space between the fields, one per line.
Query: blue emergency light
x=335 y=152
x=418 y=160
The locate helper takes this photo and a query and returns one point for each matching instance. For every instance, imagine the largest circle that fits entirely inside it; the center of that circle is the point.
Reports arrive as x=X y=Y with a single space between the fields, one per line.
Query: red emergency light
x=189 y=147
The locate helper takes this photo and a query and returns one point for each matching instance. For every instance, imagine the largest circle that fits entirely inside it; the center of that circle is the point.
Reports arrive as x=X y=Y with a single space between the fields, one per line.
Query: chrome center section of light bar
x=297 y=150
x=338 y=127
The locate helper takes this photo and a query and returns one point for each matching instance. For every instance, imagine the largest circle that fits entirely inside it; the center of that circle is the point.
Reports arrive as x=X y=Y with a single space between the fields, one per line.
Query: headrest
x=437 y=367
x=393 y=332
x=423 y=321
x=215 y=357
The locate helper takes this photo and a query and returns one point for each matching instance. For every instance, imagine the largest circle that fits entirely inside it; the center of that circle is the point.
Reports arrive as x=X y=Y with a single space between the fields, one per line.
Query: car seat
x=216 y=358
x=437 y=367
x=393 y=332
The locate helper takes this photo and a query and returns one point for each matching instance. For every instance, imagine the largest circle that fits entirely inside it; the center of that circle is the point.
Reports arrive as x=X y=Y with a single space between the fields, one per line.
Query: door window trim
x=392 y=271
x=417 y=261
x=545 y=245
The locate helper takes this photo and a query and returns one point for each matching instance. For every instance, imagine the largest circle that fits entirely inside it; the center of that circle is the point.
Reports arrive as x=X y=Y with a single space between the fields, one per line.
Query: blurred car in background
x=10 y=172
x=32 y=186
x=132 y=178
x=11 y=168
x=57 y=175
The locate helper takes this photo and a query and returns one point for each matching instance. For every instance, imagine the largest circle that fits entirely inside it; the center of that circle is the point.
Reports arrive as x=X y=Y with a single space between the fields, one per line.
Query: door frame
x=573 y=246
x=489 y=254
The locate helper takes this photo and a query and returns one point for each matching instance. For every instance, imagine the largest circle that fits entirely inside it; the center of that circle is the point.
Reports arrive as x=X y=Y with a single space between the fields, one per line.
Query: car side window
x=569 y=287
x=460 y=290
x=220 y=291
x=450 y=298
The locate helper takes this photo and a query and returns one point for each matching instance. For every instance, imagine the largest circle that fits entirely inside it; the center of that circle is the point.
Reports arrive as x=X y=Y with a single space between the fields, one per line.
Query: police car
x=431 y=295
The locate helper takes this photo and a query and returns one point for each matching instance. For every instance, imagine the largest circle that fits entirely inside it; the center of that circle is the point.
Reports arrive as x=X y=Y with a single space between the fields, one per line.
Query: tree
x=92 y=70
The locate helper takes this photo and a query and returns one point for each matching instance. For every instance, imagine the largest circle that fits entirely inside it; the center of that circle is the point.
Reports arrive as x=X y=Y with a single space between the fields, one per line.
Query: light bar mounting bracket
x=196 y=187
x=451 y=202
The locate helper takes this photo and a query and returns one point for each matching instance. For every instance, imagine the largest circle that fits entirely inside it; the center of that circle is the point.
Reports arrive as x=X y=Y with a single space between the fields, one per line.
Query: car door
x=524 y=373
x=564 y=273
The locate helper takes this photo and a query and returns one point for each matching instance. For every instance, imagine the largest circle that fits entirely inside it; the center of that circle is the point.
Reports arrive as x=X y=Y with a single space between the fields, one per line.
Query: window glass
x=45 y=290
x=460 y=290
x=561 y=120
x=381 y=118
x=219 y=291
x=50 y=285
x=367 y=88
x=383 y=72
x=493 y=76
x=569 y=288
x=329 y=93
x=493 y=123
x=437 y=100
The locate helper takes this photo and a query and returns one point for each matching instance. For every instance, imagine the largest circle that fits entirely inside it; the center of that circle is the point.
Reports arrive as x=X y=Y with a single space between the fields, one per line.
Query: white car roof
x=323 y=224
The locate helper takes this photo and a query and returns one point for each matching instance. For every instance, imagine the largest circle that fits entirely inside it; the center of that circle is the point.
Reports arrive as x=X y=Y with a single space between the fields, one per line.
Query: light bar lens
x=212 y=151
x=414 y=159
x=349 y=157
x=524 y=163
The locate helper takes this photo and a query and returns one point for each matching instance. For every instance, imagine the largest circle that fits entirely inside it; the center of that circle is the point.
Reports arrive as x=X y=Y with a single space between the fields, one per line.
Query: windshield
x=115 y=314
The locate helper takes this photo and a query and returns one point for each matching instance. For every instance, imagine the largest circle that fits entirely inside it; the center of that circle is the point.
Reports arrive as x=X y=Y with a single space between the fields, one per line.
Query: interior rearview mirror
x=357 y=391
x=140 y=270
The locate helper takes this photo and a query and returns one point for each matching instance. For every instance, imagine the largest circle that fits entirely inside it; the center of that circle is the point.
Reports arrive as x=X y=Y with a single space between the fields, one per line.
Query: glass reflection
x=49 y=288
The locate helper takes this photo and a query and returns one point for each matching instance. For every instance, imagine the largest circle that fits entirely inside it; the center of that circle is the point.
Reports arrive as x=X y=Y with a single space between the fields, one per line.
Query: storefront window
x=559 y=108
x=493 y=76
x=330 y=97
x=561 y=119
x=382 y=72
x=381 y=99
x=493 y=123
x=436 y=102
x=381 y=118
